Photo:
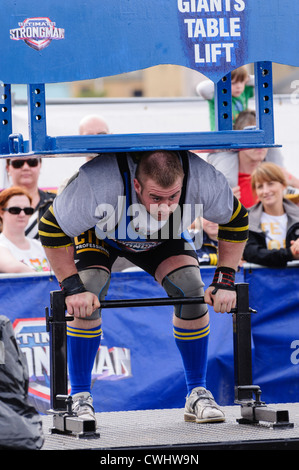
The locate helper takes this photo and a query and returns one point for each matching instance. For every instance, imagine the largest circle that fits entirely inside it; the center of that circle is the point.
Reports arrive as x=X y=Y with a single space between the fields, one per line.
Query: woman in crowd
x=273 y=221
x=18 y=253
x=25 y=172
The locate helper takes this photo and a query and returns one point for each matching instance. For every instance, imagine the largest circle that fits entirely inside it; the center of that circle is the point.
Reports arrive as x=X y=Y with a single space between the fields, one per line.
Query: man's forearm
x=230 y=254
x=62 y=261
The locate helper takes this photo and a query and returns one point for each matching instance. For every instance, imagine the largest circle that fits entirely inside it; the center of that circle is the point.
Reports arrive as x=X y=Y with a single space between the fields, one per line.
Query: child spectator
x=242 y=90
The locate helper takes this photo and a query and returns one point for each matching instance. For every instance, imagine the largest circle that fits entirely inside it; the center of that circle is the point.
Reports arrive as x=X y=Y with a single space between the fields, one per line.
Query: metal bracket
x=15 y=143
x=68 y=422
x=65 y=421
x=252 y=410
x=255 y=411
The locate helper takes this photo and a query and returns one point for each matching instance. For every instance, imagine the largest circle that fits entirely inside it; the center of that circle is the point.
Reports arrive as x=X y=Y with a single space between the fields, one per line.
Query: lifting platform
x=162 y=431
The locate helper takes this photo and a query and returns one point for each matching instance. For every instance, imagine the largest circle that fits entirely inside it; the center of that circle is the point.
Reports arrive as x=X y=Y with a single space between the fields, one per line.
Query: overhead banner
x=138 y=365
x=109 y=38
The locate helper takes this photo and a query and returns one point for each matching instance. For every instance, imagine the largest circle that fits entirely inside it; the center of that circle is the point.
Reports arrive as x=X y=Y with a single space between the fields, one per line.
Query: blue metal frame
x=85 y=41
x=223 y=108
x=6 y=120
x=264 y=99
x=39 y=143
x=37 y=117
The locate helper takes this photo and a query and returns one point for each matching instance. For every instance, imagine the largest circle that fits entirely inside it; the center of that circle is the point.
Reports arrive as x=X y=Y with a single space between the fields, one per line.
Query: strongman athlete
x=140 y=206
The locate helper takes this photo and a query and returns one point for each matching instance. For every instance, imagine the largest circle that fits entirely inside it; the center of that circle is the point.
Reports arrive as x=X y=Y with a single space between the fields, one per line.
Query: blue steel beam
x=80 y=145
x=37 y=125
x=223 y=108
x=264 y=98
x=6 y=119
x=224 y=137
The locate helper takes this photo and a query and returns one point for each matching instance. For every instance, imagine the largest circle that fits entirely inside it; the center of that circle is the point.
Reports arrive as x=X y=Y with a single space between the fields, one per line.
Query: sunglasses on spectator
x=32 y=162
x=17 y=210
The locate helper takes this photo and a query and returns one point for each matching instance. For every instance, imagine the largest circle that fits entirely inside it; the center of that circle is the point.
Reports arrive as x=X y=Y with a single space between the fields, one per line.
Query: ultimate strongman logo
x=111 y=363
x=37 y=32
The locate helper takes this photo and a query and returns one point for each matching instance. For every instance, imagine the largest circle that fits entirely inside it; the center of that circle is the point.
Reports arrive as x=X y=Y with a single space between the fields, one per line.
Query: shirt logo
x=37 y=33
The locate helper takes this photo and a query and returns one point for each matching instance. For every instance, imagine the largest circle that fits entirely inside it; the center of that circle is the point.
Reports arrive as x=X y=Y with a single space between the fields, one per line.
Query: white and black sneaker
x=83 y=406
x=201 y=407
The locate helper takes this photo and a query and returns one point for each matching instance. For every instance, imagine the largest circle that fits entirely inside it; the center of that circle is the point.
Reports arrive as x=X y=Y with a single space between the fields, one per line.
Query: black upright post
x=58 y=350
x=242 y=344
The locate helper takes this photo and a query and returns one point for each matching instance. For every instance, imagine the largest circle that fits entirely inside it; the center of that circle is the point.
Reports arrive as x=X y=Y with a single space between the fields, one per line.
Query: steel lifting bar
x=154 y=302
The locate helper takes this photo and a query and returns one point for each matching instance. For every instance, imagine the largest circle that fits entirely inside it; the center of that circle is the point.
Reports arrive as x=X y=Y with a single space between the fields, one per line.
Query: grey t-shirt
x=95 y=198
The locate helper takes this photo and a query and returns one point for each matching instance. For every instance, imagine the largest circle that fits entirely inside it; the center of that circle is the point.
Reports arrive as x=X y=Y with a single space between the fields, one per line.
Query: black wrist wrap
x=224 y=278
x=72 y=285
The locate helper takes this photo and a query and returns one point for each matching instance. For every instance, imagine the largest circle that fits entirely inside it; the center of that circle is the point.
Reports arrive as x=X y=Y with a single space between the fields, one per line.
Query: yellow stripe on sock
x=83 y=333
x=189 y=335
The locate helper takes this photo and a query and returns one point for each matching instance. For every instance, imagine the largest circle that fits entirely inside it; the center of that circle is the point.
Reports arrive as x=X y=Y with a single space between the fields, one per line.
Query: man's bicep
x=236 y=230
x=50 y=233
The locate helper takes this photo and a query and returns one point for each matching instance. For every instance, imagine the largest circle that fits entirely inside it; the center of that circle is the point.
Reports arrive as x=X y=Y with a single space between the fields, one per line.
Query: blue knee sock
x=82 y=347
x=193 y=346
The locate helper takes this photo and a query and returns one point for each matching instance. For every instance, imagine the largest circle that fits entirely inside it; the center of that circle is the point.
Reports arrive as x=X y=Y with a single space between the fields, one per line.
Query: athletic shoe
x=83 y=406
x=201 y=407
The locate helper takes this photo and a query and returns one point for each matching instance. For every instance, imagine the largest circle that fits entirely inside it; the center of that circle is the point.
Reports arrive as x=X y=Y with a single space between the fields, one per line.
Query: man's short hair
x=162 y=166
